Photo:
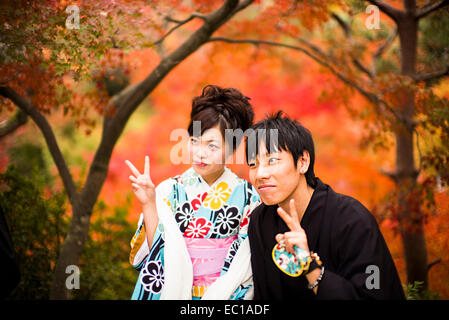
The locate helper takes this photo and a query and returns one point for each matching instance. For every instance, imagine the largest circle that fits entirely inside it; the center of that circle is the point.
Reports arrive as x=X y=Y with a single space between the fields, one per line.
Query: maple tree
x=40 y=52
x=95 y=75
x=400 y=86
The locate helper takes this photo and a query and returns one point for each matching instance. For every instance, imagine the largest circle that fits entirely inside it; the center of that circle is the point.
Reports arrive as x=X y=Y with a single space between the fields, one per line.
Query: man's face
x=274 y=175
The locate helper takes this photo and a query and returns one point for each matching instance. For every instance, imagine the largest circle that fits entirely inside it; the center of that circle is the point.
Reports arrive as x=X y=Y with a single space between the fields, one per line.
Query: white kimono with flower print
x=189 y=208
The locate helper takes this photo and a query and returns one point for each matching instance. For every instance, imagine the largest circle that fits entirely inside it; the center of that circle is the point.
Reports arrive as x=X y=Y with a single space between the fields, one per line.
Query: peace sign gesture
x=142 y=185
x=296 y=236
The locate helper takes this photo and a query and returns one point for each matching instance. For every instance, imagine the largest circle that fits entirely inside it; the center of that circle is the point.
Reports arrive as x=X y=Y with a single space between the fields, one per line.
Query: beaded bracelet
x=313 y=285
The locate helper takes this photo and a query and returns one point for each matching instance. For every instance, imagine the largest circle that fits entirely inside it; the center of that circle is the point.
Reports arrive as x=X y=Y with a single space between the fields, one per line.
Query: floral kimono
x=200 y=247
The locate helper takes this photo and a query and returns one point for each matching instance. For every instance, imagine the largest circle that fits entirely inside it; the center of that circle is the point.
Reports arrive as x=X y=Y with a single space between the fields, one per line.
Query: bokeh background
x=329 y=64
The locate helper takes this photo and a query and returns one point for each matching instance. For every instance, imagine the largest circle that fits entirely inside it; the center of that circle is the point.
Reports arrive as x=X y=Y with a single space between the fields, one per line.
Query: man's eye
x=252 y=164
x=194 y=140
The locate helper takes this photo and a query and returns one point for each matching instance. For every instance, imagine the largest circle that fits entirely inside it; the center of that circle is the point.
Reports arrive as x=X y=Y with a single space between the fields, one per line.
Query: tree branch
x=130 y=98
x=26 y=106
x=179 y=23
x=432 y=75
x=369 y=95
x=386 y=44
x=348 y=33
x=389 y=10
x=431 y=8
x=12 y=124
x=434 y=262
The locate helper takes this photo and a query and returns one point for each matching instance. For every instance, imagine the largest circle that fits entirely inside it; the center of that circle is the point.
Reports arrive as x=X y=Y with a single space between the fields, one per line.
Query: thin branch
x=432 y=75
x=179 y=23
x=26 y=106
x=434 y=262
x=348 y=33
x=131 y=97
x=12 y=124
x=242 y=5
x=369 y=95
x=431 y=8
x=389 y=10
x=386 y=44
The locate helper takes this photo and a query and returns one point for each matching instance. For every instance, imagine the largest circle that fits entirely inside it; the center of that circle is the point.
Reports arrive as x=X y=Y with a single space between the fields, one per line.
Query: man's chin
x=269 y=202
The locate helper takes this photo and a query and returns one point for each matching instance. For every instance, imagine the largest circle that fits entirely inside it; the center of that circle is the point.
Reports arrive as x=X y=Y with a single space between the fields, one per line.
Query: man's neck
x=302 y=195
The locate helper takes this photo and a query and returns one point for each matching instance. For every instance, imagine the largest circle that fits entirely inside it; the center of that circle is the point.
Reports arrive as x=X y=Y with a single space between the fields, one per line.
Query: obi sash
x=208 y=254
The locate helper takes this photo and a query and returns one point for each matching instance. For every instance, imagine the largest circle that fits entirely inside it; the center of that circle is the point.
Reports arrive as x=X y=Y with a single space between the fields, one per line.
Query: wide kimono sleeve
x=362 y=264
x=139 y=244
x=149 y=261
x=252 y=201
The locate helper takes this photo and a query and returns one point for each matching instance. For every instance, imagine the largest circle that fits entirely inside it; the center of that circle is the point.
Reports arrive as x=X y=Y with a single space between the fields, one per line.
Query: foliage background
x=38 y=210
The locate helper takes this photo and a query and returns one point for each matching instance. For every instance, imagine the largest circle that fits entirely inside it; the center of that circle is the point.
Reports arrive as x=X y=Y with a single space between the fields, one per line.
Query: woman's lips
x=200 y=164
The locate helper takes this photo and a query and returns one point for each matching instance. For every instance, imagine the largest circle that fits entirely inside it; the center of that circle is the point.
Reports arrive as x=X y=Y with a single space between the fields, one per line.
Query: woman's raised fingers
x=132 y=168
x=147 y=166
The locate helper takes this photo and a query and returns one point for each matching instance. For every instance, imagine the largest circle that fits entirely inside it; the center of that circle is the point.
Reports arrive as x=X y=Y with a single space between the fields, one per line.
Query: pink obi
x=207 y=257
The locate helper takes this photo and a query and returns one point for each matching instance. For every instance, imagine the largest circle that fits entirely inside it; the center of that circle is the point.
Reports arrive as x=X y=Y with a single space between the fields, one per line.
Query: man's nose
x=262 y=172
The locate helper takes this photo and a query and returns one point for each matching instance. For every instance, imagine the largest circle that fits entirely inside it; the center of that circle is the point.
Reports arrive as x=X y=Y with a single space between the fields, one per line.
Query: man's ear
x=303 y=162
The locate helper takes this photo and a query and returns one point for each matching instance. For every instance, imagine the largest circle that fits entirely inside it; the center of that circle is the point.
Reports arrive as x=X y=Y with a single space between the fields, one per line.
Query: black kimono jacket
x=346 y=237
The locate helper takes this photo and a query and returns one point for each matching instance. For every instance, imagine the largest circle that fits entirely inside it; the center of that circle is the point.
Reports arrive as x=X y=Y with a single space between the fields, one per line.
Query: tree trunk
x=125 y=104
x=411 y=223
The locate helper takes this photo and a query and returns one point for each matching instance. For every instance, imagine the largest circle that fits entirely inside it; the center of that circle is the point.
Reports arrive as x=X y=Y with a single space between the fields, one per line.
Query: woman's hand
x=296 y=236
x=142 y=185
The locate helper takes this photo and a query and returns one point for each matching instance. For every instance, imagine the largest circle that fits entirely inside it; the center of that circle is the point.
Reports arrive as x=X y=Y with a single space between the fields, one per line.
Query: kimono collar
x=195 y=185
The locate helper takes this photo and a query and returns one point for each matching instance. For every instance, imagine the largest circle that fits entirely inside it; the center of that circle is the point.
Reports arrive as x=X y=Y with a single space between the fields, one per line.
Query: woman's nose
x=201 y=152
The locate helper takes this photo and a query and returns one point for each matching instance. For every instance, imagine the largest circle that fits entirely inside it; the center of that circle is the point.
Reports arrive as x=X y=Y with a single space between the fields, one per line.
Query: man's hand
x=296 y=236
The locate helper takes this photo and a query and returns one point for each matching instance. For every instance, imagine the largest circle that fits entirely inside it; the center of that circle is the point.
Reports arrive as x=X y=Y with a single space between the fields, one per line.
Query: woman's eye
x=193 y=140
x=272 y=160
x=252 y=164
x=213 y=146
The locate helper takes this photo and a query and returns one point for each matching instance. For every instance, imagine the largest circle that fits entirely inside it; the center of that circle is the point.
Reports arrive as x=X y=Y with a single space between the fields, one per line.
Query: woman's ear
x=303 y=162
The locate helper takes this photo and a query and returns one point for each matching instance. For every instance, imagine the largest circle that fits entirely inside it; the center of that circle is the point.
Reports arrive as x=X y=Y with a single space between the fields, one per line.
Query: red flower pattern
x=198 y=228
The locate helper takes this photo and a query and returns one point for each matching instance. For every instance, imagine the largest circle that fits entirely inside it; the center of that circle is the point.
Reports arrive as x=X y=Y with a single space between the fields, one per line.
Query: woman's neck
x=211 y=178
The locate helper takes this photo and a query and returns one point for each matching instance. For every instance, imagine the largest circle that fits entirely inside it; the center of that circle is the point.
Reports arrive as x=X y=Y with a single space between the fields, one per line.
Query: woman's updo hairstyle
x=226 y=107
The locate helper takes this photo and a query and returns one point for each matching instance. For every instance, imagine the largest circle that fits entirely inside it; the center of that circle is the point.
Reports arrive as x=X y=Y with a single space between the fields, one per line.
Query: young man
x=307 y=241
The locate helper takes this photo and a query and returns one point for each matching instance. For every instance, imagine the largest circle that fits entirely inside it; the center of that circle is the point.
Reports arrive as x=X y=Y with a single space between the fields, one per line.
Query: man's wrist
x=313 y=275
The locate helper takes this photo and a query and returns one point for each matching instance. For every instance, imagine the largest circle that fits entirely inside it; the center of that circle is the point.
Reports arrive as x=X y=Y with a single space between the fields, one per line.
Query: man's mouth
x=266 y=187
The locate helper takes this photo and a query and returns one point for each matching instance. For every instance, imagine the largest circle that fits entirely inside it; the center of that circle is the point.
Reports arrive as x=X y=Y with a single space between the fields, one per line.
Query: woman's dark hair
x=226 y=107
x=279 y=132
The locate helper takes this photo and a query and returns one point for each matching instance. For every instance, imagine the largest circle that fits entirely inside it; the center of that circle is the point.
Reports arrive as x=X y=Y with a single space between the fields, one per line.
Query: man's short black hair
x=279 y=132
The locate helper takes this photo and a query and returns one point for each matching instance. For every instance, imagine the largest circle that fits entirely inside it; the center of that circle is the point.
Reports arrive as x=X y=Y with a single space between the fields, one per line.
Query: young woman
x=191 y=241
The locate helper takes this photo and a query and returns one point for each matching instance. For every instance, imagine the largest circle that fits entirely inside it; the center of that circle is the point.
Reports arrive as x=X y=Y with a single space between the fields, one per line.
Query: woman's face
x=207 y=154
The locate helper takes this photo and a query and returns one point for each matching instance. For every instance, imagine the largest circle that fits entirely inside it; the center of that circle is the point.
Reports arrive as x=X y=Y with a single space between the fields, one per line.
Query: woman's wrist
x=149 y=205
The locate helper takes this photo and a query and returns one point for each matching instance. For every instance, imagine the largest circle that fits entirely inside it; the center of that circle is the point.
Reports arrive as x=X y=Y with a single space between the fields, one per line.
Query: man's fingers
x=132 y=168
x=291 y=222
x=279 y=237
x=284 y=216
x=294 y=215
